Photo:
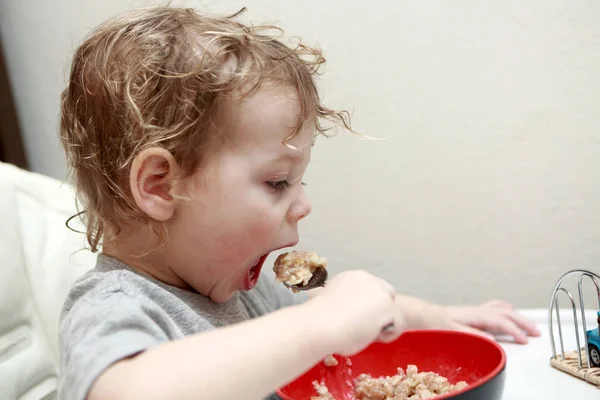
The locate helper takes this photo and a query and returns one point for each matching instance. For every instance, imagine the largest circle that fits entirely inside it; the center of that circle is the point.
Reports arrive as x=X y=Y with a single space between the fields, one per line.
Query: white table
x=529 y=375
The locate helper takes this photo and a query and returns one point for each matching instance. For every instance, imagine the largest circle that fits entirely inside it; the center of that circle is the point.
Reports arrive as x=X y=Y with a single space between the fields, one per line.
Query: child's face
x=248 y=199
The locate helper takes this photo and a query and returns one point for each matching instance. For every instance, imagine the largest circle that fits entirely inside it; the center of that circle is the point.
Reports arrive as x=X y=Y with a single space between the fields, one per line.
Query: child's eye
x=280 y=185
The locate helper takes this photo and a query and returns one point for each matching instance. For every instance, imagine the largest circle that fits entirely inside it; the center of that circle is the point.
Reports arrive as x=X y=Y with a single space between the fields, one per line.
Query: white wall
x=489 y=182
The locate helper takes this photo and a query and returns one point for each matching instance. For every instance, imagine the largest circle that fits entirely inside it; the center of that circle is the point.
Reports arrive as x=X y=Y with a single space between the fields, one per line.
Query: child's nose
x=301 y=207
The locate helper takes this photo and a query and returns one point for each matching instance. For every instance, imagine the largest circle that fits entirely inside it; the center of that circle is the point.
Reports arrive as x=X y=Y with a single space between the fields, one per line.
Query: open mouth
x=254 y=272
x=256 y=267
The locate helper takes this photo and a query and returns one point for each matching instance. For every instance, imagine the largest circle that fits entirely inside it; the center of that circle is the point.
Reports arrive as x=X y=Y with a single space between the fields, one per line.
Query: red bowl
x=457 y=356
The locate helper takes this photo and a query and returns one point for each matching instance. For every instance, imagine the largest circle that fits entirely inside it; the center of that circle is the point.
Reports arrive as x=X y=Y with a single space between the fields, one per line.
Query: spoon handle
x=388 y=328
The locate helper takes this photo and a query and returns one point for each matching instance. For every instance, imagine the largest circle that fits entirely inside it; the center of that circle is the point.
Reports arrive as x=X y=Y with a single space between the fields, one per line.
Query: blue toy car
x=593 y=340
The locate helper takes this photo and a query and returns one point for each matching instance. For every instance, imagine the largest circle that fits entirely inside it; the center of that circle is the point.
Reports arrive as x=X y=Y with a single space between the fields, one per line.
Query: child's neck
x=143 y=252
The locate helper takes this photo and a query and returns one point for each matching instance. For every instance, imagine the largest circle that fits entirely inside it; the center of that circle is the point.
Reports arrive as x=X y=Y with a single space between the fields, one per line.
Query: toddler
x=188 y=136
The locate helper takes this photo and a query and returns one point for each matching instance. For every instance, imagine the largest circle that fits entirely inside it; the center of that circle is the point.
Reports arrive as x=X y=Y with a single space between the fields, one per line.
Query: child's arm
x=495 y=316
x=254 y=358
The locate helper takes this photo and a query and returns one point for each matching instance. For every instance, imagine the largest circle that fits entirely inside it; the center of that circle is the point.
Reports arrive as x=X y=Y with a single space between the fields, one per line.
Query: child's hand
x=494 y=317
x=497 y=317
x=355 y=306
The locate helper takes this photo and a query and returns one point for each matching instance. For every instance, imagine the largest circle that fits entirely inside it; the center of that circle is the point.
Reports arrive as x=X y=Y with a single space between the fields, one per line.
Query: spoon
x=316 y=280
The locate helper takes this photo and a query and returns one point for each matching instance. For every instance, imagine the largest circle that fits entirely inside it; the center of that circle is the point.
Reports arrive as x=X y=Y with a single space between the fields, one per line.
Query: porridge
x=297 y=267
x=330 y=361
x=409 y=385
x=322 y=392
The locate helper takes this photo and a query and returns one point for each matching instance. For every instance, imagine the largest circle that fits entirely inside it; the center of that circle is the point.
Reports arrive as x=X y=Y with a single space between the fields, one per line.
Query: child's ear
x=151 y=180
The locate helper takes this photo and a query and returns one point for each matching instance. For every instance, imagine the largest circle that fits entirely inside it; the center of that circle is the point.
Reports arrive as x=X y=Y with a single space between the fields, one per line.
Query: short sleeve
x=97 y=332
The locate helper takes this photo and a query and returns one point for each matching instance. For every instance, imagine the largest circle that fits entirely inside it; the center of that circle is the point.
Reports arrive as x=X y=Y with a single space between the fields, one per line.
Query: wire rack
x=584 y=362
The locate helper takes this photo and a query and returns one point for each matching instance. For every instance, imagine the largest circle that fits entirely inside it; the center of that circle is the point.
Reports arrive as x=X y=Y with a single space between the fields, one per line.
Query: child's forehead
x=269 y=115
x=277 y=101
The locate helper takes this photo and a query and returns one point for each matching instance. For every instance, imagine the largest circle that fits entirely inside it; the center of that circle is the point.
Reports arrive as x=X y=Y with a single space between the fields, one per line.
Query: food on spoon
x=412 y=385
x=297 y=267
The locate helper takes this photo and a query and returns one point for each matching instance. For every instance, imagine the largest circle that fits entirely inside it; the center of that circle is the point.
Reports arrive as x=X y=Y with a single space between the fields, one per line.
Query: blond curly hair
x=155 y=77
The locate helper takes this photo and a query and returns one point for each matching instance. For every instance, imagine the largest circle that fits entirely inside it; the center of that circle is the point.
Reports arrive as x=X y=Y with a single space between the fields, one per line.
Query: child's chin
x=221 y=298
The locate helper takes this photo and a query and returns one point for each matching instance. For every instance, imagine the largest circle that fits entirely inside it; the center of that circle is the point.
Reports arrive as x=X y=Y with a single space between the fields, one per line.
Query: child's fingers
x=387 y=287
x=523 y=323
x=314 y=292
x=389 y=334
x=507 y=309
x=497 y=317
x=397 y=324
x=504 y=325
x=468 y=329
x=393 y=329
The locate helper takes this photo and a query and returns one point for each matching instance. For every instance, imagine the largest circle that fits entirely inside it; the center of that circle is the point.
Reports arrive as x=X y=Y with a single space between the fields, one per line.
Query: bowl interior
x=457 y=356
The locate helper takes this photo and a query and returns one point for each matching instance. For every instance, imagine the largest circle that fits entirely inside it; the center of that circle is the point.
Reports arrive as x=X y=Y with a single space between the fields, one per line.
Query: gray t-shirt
x=113 y=312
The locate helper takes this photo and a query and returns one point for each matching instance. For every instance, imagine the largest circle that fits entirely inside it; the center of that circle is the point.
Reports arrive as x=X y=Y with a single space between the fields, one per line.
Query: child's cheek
x=264 y=228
